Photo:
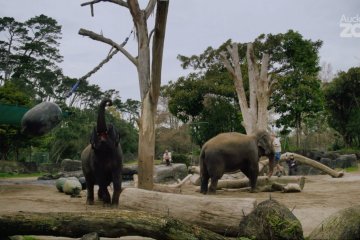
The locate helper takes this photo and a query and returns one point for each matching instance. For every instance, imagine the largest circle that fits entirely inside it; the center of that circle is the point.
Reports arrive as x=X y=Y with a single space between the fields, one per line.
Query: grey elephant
x=229 y=152
x=102 y=160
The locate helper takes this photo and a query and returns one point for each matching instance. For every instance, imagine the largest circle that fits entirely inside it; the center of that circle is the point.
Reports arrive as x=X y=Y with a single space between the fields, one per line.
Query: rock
x=344 y=224
x=331 y=155
x=271 y=220
x=76 y=174
x=173 y=172
x=91 y=236
x=72 y=187
x=328 y=162
x=345 y=161
x=128 y=172
x=40 y=119
x=60 y=184
x=83 y=182
x=69 y=165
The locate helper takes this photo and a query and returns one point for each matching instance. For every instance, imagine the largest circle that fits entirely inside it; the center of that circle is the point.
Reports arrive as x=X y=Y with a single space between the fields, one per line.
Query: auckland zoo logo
x=350 y=26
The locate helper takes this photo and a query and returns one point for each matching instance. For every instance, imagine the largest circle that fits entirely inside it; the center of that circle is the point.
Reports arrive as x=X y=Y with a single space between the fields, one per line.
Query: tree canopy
x=29 y=74
x=342 y=102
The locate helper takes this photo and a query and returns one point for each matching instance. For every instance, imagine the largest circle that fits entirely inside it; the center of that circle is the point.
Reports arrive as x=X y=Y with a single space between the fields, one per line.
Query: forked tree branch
x=118 y=2
x=103 y=39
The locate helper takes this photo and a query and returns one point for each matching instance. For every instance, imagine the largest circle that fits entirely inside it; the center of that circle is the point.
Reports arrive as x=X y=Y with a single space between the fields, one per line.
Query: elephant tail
x=202 y=162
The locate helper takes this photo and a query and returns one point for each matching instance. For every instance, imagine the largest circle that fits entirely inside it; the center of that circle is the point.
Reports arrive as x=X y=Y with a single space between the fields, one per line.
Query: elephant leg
x=90 y=193
x=117 y=189
x=253 y=179
x=204 y=182
x=213 y=185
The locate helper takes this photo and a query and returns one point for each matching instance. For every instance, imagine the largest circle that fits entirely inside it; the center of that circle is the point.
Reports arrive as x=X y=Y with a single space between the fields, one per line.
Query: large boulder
x=72 y=187
x=344 y=224
x=173 y=172
x=60 y=184
x=69 y=165
x=345 y=161
x=271 y=220
x=128 y=172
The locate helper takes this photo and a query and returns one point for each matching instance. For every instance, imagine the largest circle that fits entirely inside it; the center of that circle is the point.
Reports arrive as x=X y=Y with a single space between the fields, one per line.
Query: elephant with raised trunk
x=102 y=160
x=229 y=152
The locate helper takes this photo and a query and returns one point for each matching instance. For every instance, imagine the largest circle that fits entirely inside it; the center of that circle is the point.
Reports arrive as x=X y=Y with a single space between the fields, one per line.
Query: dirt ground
x=321 y=196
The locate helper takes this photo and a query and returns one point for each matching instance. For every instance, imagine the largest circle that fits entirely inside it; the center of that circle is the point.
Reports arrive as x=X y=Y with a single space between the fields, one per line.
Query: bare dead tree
x=148 y=63
x=254 y=110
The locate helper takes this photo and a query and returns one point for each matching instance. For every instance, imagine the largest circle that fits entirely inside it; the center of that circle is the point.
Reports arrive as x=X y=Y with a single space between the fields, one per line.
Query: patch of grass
x=352 y=169
x=20 y=175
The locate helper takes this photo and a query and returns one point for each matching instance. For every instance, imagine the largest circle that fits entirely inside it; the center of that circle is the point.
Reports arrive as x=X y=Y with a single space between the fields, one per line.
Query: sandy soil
x=321 y=196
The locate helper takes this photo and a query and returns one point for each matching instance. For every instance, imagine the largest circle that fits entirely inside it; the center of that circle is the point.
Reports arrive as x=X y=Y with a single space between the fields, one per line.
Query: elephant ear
x=94 y=138
x=264 y=143
x=113 y=134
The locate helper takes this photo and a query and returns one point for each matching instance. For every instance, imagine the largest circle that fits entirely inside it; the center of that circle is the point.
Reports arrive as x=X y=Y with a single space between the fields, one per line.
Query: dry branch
x=114 y=223
x=103 y=39
x=221 y=215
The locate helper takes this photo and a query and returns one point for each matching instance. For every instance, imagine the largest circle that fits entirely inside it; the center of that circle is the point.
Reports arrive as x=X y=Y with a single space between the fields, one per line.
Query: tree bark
x=149 y=74
x=254 y=111
x=106 y=223
x=221 y=215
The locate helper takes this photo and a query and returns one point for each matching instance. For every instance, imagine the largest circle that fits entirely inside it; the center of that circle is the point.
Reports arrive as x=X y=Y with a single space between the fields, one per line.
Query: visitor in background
x=167 y=157
x=292 y=165
x=277 y=149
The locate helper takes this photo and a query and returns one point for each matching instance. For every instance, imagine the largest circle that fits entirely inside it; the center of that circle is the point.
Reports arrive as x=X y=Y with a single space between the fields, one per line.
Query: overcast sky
x=192 y=26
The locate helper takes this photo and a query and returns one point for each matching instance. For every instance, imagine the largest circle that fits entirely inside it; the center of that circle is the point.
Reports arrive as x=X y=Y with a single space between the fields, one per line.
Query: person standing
x=167 y=157
x=292 y=165
x=277 y=149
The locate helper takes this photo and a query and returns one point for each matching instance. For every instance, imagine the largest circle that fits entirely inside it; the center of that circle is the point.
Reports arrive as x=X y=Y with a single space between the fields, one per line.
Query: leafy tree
x=207 y=103
x=11 y=138
x=343 y=104
x=297 y=94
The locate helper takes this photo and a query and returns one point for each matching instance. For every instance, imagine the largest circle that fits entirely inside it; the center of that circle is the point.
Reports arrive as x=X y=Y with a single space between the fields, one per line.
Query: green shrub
x=180 y=158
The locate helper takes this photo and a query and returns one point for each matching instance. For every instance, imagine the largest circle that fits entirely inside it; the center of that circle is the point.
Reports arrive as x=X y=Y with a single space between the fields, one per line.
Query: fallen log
x=307 y=161
x=261 y=181
x=107 y=223
x=221 y=215
x=168 y=188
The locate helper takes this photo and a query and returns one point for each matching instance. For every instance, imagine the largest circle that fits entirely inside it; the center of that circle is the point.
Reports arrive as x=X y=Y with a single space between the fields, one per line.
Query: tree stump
x=271 y=220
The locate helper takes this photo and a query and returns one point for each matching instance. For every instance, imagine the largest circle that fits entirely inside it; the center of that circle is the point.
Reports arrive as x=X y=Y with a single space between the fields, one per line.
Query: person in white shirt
x=277 y=149
x=167 y=157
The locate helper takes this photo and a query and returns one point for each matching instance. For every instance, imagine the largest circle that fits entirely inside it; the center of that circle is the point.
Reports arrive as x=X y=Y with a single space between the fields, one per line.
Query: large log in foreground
x=221 y=215
x=114 y=223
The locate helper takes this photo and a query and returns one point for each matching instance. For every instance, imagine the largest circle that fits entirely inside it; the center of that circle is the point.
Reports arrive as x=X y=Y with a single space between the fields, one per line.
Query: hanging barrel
x=40 y=119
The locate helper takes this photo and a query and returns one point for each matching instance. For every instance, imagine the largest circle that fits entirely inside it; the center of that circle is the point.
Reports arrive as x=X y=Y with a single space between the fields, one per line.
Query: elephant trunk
x=271 y=157
x=101 y=123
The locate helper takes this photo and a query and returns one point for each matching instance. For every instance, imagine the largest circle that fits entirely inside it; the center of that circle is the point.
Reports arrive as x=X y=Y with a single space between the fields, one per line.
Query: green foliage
x=342 y=103
x=297 y=94
x=29 y=74
x=208 y=103
x=180 y=158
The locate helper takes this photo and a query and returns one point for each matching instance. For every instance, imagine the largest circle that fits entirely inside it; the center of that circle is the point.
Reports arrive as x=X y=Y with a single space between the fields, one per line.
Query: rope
x=111 y=54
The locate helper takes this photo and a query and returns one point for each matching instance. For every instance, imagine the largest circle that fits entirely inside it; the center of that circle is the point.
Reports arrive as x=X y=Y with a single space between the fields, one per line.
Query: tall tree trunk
x=146 y=144
x=149 y=74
